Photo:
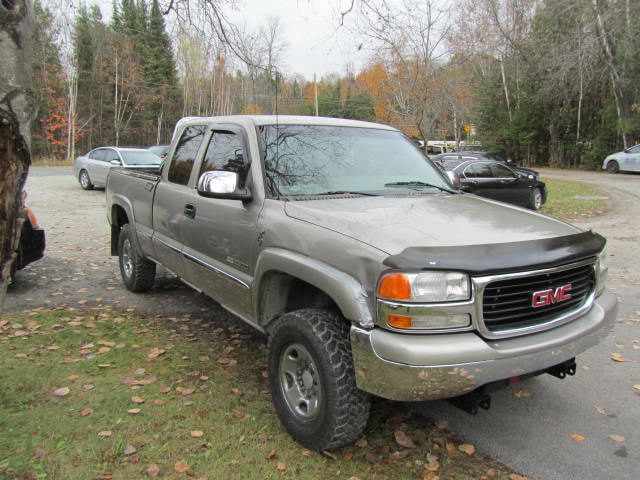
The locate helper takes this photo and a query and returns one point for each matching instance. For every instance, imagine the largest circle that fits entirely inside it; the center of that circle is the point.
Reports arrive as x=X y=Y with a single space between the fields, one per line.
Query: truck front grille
x=507 y=304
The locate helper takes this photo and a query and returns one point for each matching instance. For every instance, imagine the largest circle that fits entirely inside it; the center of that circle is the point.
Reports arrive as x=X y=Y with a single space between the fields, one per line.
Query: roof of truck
x=283 y=120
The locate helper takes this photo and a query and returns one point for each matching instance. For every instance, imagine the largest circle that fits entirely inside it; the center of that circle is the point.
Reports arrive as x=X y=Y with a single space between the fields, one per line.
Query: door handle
x=190 y=210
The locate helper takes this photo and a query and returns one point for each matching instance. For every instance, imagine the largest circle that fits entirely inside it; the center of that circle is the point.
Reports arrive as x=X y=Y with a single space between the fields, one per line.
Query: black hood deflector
x=500 y=257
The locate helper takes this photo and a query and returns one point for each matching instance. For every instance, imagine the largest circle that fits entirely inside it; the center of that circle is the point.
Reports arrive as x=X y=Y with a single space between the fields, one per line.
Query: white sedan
x=627 y=160
x=92 y=169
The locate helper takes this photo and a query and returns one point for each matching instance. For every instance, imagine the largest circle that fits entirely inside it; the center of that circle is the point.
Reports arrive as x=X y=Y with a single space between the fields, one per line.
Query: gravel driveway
x=529 y=427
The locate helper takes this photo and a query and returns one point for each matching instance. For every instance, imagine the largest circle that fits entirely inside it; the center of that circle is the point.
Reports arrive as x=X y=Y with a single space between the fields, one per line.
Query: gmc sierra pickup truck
x=368 y=271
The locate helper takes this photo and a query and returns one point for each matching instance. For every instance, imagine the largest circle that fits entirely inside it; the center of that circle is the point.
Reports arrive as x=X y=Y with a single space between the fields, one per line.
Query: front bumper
x=428 y=367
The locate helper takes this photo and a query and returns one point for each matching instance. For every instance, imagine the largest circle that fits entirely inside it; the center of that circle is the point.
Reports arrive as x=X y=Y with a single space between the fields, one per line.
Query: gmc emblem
x=543 y=298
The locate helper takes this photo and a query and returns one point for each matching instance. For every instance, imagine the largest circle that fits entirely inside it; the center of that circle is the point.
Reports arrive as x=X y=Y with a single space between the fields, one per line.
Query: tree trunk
x=506 y=89
x=16 y=112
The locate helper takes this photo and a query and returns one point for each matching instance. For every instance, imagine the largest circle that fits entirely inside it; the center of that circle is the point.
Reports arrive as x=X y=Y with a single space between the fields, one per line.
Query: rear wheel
x=613 y=166
x=535 y=199
x=85 y=181
x=312 y=379
x=138 y=273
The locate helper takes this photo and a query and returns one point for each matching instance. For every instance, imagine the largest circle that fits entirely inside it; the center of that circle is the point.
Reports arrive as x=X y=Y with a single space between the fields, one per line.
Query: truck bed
x=133 y=190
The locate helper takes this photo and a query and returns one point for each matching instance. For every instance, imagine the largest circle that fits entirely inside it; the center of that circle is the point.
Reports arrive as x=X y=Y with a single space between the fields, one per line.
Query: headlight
x=425 y=287
x=602 y=271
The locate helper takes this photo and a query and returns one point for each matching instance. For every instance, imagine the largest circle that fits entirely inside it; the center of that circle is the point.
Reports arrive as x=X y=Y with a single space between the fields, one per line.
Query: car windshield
x=318 y=159
x=140 y=157
x=158 y=149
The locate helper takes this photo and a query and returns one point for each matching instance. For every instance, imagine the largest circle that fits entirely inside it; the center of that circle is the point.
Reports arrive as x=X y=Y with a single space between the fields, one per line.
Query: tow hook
x=471 y=401
x=563 y=369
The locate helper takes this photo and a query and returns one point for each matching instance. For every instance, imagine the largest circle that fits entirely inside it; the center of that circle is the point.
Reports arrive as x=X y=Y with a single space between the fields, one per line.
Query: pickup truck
x=367 y=270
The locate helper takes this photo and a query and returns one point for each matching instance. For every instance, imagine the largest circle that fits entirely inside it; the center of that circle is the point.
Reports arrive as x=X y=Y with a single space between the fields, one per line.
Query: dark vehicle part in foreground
x=32 y=241
x=367 y=271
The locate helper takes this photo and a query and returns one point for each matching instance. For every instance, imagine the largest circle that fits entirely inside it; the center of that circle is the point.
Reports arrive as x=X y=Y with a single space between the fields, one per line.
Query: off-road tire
x=613 y=166
x=344 y=409
x=533 y=203
x=85 y=185
x=143 y=271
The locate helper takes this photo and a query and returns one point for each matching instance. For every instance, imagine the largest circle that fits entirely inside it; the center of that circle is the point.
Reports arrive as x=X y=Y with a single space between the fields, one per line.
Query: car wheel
x=138 y=273
x=535 y=199
x=312 y=379
x=85 y=181
x=613 y=166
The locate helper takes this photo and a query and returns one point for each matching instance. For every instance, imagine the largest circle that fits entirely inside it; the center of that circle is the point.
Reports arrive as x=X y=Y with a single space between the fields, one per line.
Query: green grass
x=45 y=437
x=571 y=200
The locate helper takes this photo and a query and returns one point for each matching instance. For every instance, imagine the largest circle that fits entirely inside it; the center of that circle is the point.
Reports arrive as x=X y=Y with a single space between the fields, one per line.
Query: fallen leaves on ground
x=578 y=438
x=153 y=470
x=617 y=357
x=130 y=450
x=272 y=454
x=185 y=391
x=197 y=433
x=637 y=388
x=181 y=467
x=515 y=476
x=467 y=448
x=616 y=438
x=403 y=439
x=281 y=467
x=61 y=392
x=155 y=353
x=136 y=399
x=85 y=412
x=105 y=434
x=134 y=411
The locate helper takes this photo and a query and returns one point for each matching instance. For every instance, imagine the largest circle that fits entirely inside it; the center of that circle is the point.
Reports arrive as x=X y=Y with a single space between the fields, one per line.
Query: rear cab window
x=185 y=153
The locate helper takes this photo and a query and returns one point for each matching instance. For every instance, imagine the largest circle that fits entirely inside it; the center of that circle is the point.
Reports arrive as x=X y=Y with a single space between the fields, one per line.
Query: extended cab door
x=221 y=247
x=174 y=202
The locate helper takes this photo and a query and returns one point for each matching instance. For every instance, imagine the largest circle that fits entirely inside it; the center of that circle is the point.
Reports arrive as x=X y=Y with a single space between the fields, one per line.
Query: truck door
x=220 y=251
x=173 y=207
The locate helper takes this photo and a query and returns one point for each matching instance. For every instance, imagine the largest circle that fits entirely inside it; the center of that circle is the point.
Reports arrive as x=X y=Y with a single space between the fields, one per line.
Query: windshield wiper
x=416 y=183
x=346 y=192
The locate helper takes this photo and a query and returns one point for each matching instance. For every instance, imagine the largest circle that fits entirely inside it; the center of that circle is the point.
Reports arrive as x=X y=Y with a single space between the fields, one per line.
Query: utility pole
x=315 y=88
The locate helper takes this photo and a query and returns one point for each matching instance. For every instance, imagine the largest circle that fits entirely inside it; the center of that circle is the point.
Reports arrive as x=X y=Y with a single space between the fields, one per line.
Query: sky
x=316 y=43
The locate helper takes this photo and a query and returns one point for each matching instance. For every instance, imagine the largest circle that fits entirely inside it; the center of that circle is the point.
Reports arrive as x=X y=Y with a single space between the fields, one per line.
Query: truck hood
x=393 y=224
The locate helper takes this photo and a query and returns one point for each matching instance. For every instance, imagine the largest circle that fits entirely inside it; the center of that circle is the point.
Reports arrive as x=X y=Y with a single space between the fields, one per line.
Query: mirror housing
x=222 y=184
x=116 y=163
x=454 y=178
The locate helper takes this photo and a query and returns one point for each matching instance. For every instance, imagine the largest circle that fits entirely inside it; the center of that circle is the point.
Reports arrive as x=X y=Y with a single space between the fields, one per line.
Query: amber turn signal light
x=394 y=286
x=399 y=321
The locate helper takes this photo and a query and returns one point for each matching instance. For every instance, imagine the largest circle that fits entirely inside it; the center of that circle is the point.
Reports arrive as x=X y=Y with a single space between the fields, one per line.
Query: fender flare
x=347 y=292
x=124 y=203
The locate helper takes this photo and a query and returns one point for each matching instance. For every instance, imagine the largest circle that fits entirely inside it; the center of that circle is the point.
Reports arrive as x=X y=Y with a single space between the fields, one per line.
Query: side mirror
x=222 y=184
x=454 y=178
x=117 y=163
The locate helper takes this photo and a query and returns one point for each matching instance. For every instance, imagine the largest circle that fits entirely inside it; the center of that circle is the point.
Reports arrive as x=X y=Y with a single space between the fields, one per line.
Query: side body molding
x=346 y=291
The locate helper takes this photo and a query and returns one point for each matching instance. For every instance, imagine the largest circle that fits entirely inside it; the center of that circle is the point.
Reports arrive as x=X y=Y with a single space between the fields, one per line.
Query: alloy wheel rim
x=127 y=261
x=300 y=382
x=538 y=199
x=84 y=179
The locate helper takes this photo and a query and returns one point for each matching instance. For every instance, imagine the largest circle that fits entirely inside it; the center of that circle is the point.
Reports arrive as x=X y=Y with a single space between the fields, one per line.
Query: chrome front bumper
x=406 y=367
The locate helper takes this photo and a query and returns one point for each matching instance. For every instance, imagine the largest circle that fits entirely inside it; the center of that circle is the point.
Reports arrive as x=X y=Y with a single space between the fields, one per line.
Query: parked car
x=32 y=241
x=367 y=272
x=92 y=169
x=159 y=150
x=626 y=161
x=478 y=174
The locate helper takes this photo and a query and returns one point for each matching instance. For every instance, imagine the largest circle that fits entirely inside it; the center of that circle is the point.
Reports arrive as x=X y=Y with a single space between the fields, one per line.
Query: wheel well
x=118 y=219
x=281 y=293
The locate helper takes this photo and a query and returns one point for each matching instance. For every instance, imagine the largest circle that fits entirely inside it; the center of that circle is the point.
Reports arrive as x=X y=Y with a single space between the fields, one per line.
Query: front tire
x=138 y=273
x=613 y=166
x=535 y=199
x=85 y=181
x=312 y=379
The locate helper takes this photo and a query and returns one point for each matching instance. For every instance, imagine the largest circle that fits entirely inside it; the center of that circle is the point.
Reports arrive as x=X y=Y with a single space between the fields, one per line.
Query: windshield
x=140 y=157
x=313 y=159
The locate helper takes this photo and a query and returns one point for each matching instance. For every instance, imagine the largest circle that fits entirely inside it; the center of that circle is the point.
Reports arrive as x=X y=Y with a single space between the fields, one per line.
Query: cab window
x=225 y=152
x=500 y=171
x=185 y=154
